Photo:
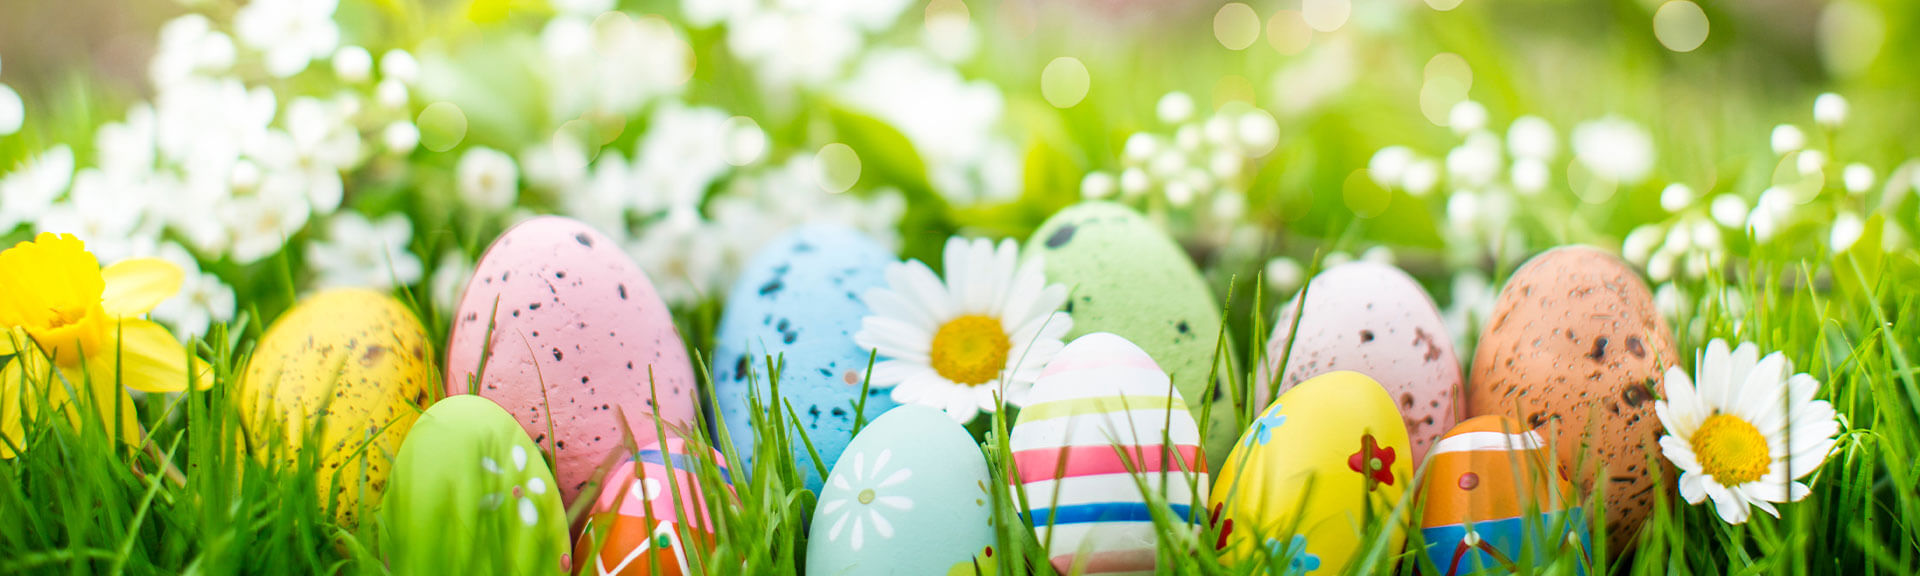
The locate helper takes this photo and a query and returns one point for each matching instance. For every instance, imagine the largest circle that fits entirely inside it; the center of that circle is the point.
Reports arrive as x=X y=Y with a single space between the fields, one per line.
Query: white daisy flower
x=988 y=329
x=1746 y=433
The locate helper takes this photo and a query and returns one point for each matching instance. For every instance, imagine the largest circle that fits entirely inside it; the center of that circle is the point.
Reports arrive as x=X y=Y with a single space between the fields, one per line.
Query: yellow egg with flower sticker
x=71 y=325
x=1324 y=464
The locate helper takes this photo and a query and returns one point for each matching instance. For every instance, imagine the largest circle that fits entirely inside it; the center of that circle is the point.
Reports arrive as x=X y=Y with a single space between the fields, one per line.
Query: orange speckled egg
x=1575 y=350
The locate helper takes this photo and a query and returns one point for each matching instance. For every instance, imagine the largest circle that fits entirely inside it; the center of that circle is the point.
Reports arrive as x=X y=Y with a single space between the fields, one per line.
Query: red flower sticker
x=1372 y=461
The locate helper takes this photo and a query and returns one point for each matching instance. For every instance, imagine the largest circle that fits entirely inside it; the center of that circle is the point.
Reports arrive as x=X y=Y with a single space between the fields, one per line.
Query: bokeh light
x=1326 y=15
x=837 y=167
x=1680 y=25
x=1064 y=82
x=442 y=126
x=1236 y=26
x=1288 y=33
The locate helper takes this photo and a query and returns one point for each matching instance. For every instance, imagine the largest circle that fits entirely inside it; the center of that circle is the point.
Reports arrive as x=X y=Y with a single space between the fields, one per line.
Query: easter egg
x=358 y=361
x=1102 y=419
x=1326 y=455
x=1492 y=490
x=1576 y=350
x=909 y=496
x=799 y=300
x=1128 y=278
x=562 y=329
x=648 y=516
x=1372 y=319
x=470 y=493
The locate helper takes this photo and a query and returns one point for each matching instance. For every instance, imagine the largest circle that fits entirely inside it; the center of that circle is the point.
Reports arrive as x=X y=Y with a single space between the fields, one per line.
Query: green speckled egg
x=470 y=494
x=356 y=360
x=1129 y=278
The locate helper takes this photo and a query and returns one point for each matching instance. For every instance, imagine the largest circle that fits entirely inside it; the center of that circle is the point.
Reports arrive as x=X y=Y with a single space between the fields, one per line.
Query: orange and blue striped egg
x=1103 y=419
x=646 y=514
x=1493 y=489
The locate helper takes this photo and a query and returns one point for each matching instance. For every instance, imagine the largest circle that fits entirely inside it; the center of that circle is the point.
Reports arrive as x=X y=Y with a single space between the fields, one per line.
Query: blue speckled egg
x=800 y=298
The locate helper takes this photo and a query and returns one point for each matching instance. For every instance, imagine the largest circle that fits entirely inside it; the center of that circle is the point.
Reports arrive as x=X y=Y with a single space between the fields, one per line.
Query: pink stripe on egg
x=1042 y=463
x=1062 y=364
x=1110 y=562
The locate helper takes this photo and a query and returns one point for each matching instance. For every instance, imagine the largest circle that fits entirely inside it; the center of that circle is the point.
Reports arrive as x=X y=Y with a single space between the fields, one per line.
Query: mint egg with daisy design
x=1330 y=453
x=471 y=494
x=1127 y=277
x=909 y=496
x=800 y=301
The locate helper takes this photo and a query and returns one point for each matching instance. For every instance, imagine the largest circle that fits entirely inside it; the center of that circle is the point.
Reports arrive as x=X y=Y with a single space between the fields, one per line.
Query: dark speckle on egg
x=555 y=349
x=1600 y=375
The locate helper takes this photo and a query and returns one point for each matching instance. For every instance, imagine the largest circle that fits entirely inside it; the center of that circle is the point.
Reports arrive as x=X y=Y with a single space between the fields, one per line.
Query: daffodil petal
x=8 y=337
x=134 y=287
x=109 y=401
x=12 y=433
x=149 y=358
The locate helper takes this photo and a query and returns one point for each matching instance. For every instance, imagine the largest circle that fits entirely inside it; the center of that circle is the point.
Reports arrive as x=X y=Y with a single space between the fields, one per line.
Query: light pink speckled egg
x=1373 y=319
x=569 y=309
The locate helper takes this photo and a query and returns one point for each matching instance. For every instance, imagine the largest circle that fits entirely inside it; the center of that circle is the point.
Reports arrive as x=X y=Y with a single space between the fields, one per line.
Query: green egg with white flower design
x=471 y=494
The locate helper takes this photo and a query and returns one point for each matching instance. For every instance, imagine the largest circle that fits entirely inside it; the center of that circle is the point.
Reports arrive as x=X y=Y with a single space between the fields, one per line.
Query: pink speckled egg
x=576 y=326
x=1373 y=319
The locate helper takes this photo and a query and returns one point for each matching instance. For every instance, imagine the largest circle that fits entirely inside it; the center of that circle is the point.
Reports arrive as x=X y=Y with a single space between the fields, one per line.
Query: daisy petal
x=1714 y=369
x=1693 y=487
x=914 y=281
x=1730 y=507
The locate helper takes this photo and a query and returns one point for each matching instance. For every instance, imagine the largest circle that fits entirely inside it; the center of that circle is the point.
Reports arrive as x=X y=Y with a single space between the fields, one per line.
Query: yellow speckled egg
x=1301 y=481
x=359 y=359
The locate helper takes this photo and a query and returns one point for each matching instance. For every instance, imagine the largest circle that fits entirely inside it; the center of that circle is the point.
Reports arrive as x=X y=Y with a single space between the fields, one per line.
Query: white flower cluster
x=795 y=44
x=952 y=122
x=694 y=202
x=1799 y=195
x=1204 y=162
x=219 y=167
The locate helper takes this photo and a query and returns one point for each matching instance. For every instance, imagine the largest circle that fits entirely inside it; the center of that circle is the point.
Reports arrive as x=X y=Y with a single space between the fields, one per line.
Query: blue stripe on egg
x=1102 y=512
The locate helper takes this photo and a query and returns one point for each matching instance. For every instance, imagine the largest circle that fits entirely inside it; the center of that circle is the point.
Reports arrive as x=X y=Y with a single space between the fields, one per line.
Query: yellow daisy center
x=1731 y=450
x=970 y=349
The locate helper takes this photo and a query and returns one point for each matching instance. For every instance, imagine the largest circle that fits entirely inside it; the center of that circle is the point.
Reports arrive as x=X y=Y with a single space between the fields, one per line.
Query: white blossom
x=1174 y=108
x=352 y=64
x=1532 y=137
x=1615 y=149
x=488 y=179
x=359 y=252
x=189 y=46
x=290 y=33
x=952 y=122
x=30 y=190
x=1787 y=139
x=1830 y=110
x=1676 y=197
x=13 y=112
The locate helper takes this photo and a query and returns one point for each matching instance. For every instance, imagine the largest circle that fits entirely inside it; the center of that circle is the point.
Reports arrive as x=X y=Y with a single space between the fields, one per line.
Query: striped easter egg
x=1102 y=419
x=1495 y=497
x=635 y=521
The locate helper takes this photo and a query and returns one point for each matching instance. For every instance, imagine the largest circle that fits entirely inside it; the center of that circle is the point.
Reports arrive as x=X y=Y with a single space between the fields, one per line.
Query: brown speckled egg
x=563 y=330
x=1576 y=349
x=1372 y=319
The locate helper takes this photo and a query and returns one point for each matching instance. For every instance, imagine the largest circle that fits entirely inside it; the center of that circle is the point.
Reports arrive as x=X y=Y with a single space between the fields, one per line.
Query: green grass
x=191 y=501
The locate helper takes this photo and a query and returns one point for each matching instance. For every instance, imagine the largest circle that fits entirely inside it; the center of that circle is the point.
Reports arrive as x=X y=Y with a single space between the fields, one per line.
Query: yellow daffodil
x=70 y=325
